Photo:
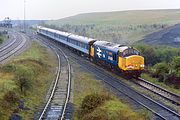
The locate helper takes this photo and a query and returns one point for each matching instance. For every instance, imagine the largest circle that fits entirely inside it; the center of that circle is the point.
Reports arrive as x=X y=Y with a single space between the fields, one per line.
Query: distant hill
x=28 y=22
x=121 y=27
x=168 y=36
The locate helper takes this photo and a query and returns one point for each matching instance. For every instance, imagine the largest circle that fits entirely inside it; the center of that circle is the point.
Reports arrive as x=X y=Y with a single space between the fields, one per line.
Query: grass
x=36 y=60
x=113 y=108
x=125 y=27
x=155 y=81
x=123 y=17
x=85 y=84
x=2 y=38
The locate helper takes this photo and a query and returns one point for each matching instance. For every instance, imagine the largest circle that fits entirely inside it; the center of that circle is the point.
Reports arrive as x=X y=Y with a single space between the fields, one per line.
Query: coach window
x=72 y=41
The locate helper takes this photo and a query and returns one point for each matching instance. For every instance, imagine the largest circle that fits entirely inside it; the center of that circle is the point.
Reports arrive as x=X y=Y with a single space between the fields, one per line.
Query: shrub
x=23 y=78
x=161 y=71
x=113 y=110
x=161 y=68
x=90 y=102
x=9 y=68
x=11 y=97
x=176 y=66
x=1 y=40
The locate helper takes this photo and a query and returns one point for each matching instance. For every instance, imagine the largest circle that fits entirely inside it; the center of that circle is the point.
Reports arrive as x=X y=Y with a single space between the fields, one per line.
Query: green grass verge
x=35 y=67
x=116 y=110
x=155 y=81
x=2 y=38
x=111 y=109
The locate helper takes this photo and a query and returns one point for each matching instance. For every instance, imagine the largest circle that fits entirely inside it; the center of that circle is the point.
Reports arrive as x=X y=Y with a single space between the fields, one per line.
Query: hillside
x=168 y=36
x=122 y=27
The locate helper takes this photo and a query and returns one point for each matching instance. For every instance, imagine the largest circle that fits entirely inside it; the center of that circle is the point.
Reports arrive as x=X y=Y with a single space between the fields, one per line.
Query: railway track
x=10 y=48
x=174 y=98
x=60 y=94
x=160 y=111
x=7 y=42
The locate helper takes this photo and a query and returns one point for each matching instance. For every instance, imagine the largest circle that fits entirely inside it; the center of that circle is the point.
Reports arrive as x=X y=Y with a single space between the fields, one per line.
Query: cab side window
x=125 y=53
x=114 y=57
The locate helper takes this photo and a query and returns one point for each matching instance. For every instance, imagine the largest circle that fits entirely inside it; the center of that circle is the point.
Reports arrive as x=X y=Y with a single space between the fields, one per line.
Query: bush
x=11 y=97
x=114 y=110
x=156 y=54
x=161 y=68
x=23 y=78
x=176 y=66
x=1 y=40
x=161 y=71
x=9 y=68
x=90 y=102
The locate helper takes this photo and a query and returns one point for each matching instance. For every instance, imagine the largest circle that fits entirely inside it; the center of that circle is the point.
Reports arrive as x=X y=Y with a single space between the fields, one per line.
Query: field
x=24 y=82
x=125 y=27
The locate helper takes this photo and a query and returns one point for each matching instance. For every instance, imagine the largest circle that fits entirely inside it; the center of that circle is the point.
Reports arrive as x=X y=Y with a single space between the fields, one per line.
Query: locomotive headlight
x=142 y=66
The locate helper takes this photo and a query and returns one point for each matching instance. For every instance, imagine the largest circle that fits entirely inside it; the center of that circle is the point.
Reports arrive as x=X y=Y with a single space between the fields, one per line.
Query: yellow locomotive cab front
x=130 y=61
x=134 y=62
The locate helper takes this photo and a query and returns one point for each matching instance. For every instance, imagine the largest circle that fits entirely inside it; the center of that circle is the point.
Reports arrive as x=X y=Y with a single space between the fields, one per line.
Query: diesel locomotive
x=123 y=58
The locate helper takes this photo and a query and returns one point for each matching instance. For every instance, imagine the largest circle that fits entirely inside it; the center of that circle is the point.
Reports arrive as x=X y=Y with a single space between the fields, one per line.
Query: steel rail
x=54 y=87
x=4 y=47
x=68 y=86
x=16 y=49
x=162 y=92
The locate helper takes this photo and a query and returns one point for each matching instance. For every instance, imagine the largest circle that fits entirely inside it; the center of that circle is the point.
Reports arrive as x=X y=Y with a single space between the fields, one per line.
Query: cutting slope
x=122 y=27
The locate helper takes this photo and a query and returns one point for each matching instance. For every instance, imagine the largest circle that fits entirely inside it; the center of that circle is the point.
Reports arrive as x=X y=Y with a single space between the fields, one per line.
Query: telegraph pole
x=24 y=15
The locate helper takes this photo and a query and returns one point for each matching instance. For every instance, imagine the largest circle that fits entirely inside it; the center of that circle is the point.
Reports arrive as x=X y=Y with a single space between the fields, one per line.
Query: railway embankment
x=92 y=100
x=25 y=81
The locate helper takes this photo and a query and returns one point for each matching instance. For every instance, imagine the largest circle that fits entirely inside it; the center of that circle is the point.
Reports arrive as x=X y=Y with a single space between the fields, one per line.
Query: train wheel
x=91 y=59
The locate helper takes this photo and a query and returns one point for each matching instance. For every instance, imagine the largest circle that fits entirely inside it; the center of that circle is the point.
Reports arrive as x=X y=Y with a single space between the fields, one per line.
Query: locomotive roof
x=81 y=38
x=111 y=46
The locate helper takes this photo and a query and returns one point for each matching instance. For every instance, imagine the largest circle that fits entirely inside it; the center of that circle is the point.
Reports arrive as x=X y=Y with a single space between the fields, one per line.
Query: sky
x=56 y=9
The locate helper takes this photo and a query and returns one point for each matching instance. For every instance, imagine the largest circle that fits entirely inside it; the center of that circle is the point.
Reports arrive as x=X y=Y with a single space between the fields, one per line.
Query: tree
x=176 y=66
x=161 y=70
x=24 y=78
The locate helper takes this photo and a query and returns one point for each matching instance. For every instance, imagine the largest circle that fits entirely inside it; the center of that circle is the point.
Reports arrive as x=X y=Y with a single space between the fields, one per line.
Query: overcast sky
x=56 y=9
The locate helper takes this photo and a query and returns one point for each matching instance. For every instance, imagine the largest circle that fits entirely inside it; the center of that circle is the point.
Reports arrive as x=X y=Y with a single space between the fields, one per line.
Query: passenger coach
x=79 y=43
